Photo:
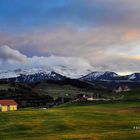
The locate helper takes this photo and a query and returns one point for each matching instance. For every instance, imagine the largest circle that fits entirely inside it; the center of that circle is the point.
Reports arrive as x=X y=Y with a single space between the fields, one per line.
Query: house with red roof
x=8 y=105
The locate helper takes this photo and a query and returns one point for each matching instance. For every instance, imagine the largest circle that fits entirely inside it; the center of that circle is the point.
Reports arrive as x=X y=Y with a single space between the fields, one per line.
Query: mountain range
x=38 y=75
x=111 y=76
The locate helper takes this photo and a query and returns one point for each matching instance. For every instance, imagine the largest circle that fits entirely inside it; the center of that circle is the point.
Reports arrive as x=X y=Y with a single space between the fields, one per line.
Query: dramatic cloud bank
x=13 y=59
x=6 y=53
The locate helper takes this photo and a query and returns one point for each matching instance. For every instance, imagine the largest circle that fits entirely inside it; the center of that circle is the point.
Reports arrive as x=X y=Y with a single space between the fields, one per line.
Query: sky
x=100 y=35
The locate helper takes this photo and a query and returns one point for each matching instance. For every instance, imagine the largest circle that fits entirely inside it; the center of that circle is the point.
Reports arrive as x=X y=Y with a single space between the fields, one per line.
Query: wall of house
x=13 y=107
x=3 y=108
x=7 y=108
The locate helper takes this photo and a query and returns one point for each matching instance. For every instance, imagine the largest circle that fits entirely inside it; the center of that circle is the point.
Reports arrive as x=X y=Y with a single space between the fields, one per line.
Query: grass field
x=81 y=121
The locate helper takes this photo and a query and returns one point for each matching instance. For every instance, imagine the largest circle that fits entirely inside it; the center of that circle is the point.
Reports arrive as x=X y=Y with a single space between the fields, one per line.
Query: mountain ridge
x=38 y=75
x=110 y=76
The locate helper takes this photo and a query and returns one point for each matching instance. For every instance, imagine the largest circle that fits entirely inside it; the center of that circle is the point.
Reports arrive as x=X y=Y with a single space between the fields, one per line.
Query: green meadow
x=77 y=121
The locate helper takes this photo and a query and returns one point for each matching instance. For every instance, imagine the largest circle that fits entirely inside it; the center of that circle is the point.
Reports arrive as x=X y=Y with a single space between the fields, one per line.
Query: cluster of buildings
x=121 y=89
x=84 y=97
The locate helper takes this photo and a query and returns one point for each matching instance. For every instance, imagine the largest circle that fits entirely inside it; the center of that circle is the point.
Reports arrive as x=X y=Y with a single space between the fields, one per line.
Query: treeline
x=24 y=95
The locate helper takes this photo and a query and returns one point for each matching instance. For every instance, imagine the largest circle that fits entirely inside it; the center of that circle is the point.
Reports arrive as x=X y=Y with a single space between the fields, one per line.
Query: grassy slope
x=73 y=122
x=130 y=95
x=55 y=90
x=134 y=94
x=6 y=86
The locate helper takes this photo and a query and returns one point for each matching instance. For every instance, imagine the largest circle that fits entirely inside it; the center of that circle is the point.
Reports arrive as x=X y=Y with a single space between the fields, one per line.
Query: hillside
x=46 y=94
x=63 y=89
x=68 y=89
x=24 y=95
x=132 y=95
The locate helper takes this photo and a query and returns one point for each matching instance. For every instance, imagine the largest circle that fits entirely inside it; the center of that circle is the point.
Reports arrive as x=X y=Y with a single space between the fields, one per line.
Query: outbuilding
x=8 y=105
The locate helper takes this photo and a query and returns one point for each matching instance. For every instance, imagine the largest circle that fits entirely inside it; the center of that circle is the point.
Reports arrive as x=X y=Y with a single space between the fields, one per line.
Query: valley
x=59 y=109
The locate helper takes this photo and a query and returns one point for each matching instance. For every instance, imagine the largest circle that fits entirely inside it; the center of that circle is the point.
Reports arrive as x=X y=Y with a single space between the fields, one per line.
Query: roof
x=7 y=102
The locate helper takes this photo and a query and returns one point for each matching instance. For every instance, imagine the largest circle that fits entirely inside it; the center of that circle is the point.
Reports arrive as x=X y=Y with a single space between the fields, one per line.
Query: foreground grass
x=86 y=121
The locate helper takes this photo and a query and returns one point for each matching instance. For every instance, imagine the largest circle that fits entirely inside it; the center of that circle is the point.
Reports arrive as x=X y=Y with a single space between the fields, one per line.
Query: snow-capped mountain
x=134 y=77
x=71 y=73
x=67 y=72
x=111 y=76
x=38 y=77
x=57 y=73
x=100 y=76
x=41 y=74
x=30 y=76
x=8 y=74
x=18 y=72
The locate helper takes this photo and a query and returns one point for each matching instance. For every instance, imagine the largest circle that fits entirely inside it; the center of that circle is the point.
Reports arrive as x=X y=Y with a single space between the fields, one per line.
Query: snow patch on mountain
x=94 y=75
x=18 y=72
x=100 y=76
x=8 y=74
x=131 y=77
x=70 y=73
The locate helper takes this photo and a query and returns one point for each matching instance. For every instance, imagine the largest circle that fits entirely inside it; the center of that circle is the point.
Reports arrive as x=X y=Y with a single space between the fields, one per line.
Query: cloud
x=120 y=63
x=59 y=61
x=100 y=61
x=7 y=53
x=68 y=41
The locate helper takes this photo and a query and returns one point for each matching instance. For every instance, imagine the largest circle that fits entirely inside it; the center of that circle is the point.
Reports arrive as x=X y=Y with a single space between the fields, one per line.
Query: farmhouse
x=122 y=89
x=7 y=105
